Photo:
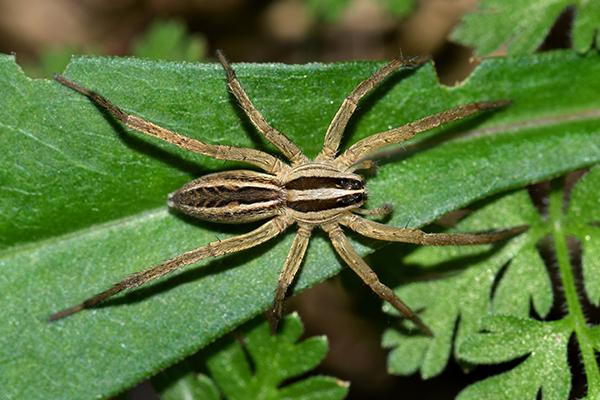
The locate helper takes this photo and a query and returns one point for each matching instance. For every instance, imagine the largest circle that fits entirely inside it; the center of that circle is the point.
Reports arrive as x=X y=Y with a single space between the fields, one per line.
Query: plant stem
x=575 y=311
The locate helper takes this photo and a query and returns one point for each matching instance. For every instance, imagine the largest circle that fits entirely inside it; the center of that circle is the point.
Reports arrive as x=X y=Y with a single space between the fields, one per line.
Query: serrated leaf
x=543 y=345
x=524 y=282
x=583 y=221
x=461 y=299
x=188 y=387
x=82 y=201
x=544 y=369
x=586 y=27
x=273 y=360
x=521 y=26
x=585 y=199
x=590 y=242
x=315 y=388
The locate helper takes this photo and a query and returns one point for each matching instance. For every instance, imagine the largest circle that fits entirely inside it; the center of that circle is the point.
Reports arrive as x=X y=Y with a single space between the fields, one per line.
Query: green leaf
x=169 y=40
x=271 y=360
x=465 y=296
x=525 y=281
x=583 y=219
x=544 y=369
x=82 y=201
x=521 y=26
x=586 y=27
x=189 y=386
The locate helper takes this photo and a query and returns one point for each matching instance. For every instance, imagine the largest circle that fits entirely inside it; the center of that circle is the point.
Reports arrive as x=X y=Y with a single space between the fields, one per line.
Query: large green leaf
x=82 y=200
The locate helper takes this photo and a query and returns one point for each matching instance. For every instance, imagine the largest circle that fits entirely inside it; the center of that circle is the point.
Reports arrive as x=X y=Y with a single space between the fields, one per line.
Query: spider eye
x=350 y=184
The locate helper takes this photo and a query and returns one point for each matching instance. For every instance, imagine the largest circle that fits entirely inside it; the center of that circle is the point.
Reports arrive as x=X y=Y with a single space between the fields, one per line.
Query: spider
x=325 y=192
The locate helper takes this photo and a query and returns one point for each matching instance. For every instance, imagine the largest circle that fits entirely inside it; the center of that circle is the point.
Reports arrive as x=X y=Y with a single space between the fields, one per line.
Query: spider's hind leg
x=234 y=244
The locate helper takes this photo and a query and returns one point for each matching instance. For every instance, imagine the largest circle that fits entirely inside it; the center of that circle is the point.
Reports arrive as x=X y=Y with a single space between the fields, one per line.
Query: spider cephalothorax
x=325 y=192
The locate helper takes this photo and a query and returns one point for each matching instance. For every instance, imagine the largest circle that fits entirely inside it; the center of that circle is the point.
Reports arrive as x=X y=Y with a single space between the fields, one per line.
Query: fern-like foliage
x=258 y=365
x=521 y=26
x=511 y=283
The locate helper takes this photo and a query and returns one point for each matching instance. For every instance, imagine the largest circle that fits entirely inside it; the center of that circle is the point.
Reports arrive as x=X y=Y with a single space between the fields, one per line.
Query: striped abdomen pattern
x=244 y=196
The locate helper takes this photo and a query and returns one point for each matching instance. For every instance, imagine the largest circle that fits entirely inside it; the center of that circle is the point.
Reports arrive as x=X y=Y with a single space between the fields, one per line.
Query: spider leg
x=245 y=241
x=258 y=158
x=363 y=147
x=290 y=268
x=361 y=268
x=336 y=128
x=278 y=139
x=382 y=211
x=388 y=233
x=364 y=165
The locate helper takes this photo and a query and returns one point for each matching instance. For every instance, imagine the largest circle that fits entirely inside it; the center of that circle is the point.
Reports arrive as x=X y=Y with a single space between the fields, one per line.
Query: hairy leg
x=336 y=128
x=382 y=211
x=258 y=158
x=260 y=235
x=354 y=260
x=388 y=233
x=278 y=139
x=368 y=145
x=364 y=165
x=290 y=268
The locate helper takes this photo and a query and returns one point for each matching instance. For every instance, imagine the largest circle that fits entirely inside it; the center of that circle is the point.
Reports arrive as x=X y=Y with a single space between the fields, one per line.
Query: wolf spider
x=325 y=192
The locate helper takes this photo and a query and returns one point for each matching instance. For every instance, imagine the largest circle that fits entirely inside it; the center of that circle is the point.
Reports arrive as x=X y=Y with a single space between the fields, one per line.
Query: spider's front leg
x=264 y=161
x=259 y=235
x=338 y=124
x=368 y=145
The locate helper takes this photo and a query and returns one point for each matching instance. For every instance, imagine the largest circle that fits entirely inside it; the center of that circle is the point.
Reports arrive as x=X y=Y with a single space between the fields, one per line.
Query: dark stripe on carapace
x=221 y=196
x=323 y=182
x=326 y=204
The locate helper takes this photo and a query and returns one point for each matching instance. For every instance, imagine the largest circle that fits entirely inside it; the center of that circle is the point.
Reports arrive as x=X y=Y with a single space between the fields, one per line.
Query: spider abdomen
x=230 y=197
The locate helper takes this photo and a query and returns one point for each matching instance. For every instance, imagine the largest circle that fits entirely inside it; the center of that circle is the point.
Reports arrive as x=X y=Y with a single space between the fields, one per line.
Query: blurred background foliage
x=44 y=34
